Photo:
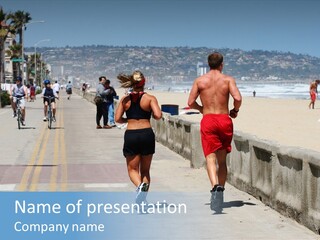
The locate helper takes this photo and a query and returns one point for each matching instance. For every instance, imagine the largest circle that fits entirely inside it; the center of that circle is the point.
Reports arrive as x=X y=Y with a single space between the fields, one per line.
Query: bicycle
x=50 y=114
x=19 y=113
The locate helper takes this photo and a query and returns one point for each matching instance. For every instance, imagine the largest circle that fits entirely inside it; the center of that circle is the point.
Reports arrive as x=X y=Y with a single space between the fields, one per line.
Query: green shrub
x=38 y=91
x=5 y=99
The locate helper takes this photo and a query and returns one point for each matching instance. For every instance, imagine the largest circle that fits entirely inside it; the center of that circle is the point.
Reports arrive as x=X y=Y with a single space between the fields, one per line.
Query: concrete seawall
x=284 y=178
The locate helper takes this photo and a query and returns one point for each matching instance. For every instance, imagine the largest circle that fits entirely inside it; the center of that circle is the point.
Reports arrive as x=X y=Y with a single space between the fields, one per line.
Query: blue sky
x=279 y=25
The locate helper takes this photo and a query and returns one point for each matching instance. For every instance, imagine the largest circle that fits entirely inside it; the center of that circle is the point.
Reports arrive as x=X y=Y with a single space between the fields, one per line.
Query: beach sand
x=288 y=122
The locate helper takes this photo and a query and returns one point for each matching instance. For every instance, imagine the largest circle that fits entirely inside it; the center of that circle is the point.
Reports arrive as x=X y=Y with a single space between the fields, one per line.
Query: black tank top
x=135 y=111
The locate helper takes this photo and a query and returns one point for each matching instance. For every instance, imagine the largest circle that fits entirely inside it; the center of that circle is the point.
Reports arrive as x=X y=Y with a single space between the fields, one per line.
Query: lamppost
x=41 y=55
x=35 y=58
x=22 y=48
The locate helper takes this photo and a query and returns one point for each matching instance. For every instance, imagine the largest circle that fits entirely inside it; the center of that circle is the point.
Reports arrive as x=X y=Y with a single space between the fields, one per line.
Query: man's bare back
x=214 y=89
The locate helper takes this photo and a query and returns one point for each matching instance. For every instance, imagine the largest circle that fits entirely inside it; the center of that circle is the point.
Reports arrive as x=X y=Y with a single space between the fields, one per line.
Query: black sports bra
x=135 y=111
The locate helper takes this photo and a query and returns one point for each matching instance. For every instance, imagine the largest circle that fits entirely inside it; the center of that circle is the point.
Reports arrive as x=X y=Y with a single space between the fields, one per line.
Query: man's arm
x=11 y=91
x=237 y=98
x=106 y=92
x=101 y=91
x=194 y=93
x=25 y=89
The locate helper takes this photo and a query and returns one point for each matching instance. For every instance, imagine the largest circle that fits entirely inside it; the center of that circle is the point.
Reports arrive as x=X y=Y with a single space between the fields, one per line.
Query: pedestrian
x=56 y=88
x=102 y=105
x=83 y=89
x=313 y=94
x=32 y=93
x=216 y=125
x=110 y=103
x=139 y=138
x=69 y=89
x=28 y=95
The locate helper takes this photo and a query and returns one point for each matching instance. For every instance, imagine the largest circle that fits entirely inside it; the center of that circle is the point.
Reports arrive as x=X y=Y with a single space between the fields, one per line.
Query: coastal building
x=201 y=69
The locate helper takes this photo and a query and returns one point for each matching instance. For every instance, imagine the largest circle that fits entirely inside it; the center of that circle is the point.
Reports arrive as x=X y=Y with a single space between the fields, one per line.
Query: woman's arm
x=156 y=111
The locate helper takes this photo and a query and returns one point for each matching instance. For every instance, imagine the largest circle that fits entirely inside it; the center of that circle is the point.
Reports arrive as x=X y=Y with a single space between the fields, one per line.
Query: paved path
x=74 y=156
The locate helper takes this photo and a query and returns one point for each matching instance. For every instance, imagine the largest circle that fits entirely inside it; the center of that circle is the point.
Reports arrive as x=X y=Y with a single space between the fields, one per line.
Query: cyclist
x=18 y=90
x=47 y=91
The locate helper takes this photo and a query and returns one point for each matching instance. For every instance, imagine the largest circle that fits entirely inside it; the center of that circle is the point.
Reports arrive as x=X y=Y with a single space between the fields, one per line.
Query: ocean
x=279 y=90
x=293 y=91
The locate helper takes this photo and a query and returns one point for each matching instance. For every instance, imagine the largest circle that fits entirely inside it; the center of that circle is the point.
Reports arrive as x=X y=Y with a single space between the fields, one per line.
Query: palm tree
x=15 y=53
x=31 y=66
x=6 y=28
x=19 y=20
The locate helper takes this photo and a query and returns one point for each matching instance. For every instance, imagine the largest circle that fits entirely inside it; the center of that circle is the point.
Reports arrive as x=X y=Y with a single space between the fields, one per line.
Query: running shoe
x=14 y=114
x=45 y=119
x=142 y=191
x=23 y=122
x=216 y=200
x=54 y=119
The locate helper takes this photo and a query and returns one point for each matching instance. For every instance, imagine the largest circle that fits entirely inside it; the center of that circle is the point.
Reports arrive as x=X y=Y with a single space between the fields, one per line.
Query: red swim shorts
x=313 y=96
x=216 y=133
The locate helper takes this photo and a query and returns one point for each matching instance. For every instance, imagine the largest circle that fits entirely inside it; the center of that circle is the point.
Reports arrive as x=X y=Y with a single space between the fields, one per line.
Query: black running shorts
x=139 y=141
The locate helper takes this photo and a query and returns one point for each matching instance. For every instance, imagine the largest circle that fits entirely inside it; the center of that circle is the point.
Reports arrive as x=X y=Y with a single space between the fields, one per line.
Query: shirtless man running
x=216 y=125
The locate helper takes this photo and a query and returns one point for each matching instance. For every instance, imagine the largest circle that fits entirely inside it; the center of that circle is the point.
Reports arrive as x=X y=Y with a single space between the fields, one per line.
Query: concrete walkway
x=75 y=156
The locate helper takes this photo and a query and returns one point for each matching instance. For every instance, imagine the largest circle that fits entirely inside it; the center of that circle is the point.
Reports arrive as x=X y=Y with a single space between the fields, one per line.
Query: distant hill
x=174 y=64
